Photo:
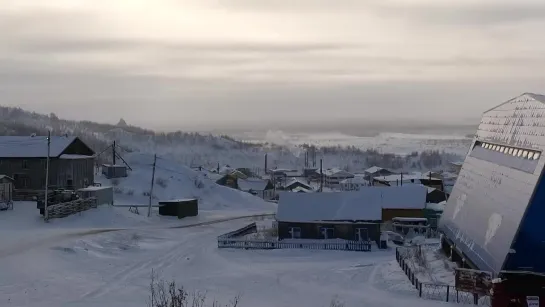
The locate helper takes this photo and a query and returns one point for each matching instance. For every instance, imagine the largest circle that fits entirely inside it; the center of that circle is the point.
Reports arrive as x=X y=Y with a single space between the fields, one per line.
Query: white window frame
x=293 y=230
x=324 y=233
x=357 y=234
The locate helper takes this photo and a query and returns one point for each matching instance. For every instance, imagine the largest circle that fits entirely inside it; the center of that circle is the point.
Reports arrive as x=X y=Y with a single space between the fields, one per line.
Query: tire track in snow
x=172 y=255
x=44 y=242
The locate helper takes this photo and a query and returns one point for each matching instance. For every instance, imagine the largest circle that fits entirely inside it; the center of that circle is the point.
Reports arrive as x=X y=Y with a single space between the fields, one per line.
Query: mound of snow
x=174 y=181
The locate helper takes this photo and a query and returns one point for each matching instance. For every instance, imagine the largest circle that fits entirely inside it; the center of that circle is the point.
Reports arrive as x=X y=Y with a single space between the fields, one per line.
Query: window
x=327 y=233
x=25 y=182
x=362 y=234
x=502 y=149
x=525 y=154
x=519 y=153
x=510 y=151
x=536 y=155
x=25 y=164
x=515 y=152
x=295 y=232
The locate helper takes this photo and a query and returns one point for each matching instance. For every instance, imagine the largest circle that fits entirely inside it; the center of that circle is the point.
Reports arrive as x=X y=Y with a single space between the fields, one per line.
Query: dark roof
x=33 y=146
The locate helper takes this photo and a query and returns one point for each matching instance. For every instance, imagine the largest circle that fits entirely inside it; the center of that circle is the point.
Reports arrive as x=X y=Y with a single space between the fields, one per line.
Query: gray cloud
x=219 y=63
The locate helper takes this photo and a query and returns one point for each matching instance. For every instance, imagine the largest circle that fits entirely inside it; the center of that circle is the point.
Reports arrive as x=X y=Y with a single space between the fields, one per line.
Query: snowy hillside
x=174 y=181
x=394 y=151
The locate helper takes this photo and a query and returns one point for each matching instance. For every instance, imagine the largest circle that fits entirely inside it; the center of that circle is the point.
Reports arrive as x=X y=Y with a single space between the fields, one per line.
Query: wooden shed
x=179 y=207
x=6 y=188
x=114 y=171
x=103 y=195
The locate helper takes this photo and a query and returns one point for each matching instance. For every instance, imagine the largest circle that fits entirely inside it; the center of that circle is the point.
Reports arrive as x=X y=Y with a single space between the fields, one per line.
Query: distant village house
x=258 y=187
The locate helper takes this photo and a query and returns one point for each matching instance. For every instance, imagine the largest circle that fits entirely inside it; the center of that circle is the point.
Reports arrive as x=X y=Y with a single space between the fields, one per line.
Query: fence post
x=448 y=292
x=476 y=298
x=420 y=290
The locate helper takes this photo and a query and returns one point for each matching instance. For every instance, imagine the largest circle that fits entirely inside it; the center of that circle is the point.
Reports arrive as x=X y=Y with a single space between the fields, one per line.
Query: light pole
x=46 y=216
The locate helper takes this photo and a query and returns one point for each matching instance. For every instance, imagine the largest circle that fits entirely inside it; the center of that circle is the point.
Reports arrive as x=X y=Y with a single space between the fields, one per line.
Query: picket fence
x=233 y=240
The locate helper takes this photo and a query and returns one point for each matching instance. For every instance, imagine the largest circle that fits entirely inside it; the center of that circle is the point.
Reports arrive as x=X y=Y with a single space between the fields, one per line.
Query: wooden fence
x=251 y=228
x=433 y=291
x=65 y=209
x=271 y=244
x=232 y=240
x=26 y=195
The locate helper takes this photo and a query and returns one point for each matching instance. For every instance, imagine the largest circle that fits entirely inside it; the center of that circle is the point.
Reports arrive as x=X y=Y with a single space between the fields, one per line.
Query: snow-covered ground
x=105 y=256
x=174 y=181
x=114 y=268
x=430 y=265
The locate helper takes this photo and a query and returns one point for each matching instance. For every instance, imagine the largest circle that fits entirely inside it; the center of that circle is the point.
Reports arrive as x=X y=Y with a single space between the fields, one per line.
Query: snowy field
x=114 y=268
x=105 y=256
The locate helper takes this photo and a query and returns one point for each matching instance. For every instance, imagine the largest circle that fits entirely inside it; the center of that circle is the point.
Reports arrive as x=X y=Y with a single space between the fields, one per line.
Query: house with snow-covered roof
x=375 y=171
x=23 y=158
x=408 y=179
x=258 y=187
x=333 y=176
x=353 y=184
x=334 y=215
x=294 y=183
x=350 y=215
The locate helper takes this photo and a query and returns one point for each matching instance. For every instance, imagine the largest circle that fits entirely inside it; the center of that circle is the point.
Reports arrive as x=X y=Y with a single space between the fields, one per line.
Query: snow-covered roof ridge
x=534 y=96
x=333 y=171
x=342 y=206
x=373 y=169
x=254 y=184
x=357 y=179
x=365 y=204
x=33 y=146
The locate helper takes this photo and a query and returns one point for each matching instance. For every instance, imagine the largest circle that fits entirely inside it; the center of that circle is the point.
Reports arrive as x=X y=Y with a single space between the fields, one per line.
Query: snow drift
x=174 y=181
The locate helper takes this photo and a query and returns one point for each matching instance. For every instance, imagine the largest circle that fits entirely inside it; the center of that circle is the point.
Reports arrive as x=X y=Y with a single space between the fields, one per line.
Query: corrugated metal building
x=494 y=216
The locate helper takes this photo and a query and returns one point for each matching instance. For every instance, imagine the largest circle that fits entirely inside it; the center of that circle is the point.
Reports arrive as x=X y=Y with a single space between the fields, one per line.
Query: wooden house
x=407 y=201
x=408 y=179
x=353 y=184
x=296 y=183
x=258 y=187
x=23 y=158
x=332 y=177
x=231 y=179
x=375 y=171
x=334 y=215
x=436 y=196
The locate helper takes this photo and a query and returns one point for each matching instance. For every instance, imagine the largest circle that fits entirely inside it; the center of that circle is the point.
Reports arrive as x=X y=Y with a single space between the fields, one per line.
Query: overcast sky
x=179 y=64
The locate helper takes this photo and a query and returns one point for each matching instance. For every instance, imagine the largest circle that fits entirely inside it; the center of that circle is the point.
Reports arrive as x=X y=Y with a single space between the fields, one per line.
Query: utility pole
x=401 y=179
x=266 y=156
x=321 y=177
x=152 y=182
x=46 y=216
x=113 y=153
